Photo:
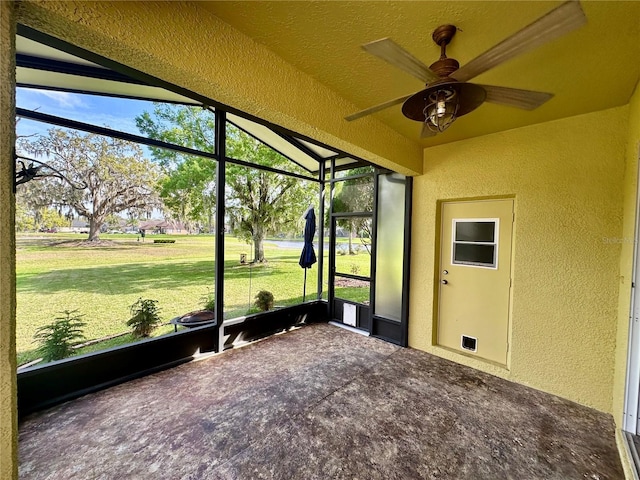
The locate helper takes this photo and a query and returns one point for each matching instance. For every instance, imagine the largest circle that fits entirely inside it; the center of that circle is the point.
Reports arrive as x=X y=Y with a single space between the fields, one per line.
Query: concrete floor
x=319 y=403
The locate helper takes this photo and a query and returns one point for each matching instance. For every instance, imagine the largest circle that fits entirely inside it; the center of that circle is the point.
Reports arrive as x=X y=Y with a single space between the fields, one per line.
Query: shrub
x=264 y=300
x=58 y=338
x=145 y=317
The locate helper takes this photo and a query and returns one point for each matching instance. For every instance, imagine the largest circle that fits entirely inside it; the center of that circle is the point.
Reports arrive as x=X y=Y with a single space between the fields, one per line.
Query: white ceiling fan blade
x=376 y=108
x=514 y=97
x=560 y=21
x=391 y=52
x=426 y=131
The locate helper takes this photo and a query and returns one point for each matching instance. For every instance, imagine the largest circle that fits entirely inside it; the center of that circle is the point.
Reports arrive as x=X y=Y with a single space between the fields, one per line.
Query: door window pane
x=353 y=290
x=473 y=254
x=475 y=231
x=475 y=242
x=354 y=195
x=353 y=246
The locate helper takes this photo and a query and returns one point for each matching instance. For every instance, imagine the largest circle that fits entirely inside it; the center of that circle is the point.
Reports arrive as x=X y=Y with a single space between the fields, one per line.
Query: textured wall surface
x=567 y=179
x=8 y=414
x=185 y=44
x=626 y=255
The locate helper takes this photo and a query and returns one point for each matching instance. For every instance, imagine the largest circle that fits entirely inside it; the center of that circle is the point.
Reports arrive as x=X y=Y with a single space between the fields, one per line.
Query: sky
x=116 y=113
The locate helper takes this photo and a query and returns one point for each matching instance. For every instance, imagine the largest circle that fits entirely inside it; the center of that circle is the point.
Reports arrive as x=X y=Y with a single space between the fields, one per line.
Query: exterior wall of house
x=192 y=48
x=626 y=254
x=8 y=412
x=567 y=179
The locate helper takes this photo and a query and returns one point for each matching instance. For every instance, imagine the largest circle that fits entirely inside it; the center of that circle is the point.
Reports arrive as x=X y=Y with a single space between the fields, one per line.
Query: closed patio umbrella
x=308 y=255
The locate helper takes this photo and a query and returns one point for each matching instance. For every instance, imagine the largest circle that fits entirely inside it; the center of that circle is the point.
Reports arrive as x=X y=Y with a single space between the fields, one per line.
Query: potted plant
x=198 y=318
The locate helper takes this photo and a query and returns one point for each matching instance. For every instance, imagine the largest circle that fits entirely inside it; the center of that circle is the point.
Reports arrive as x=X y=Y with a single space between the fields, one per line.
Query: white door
x=475 y=277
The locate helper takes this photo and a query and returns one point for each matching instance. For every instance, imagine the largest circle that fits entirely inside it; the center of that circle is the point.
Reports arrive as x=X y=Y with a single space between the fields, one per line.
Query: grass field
x=56 y=273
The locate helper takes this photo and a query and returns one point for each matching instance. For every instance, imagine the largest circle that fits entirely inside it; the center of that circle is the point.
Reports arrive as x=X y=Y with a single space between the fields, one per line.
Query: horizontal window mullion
x=257 y=166
x=353 y=277
x=108 y=132
x=466 y=242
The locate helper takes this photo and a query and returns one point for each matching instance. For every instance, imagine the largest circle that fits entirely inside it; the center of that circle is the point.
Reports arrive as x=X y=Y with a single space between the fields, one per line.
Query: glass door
x=350 y=268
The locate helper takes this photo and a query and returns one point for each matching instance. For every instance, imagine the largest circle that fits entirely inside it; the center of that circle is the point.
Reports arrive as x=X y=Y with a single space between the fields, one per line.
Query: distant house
x=79 y=225
x=170 y=227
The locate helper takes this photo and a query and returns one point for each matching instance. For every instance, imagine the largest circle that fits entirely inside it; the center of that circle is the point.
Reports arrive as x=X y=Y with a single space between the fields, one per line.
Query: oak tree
x=103 y=176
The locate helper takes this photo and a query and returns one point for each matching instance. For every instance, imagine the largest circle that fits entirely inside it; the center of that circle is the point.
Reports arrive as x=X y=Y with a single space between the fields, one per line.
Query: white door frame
x=632 y=385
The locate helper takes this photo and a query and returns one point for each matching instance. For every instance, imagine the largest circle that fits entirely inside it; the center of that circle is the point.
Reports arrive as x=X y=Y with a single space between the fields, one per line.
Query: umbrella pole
x=304 y=288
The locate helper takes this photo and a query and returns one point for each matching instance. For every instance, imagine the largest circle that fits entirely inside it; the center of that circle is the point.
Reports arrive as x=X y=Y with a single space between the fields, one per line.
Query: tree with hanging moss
x=261 y=203
x=258 y=203
x=103 y=176
x=355 y=195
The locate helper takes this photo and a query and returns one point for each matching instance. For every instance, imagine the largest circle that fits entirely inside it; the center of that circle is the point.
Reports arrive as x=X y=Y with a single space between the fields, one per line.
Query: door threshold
x=632 y=442
x=348 y=327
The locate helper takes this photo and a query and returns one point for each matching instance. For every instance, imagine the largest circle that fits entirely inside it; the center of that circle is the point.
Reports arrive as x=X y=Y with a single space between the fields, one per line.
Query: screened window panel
x=321 y=151
x=355 y=195
x=300 y=161
x=353 y=246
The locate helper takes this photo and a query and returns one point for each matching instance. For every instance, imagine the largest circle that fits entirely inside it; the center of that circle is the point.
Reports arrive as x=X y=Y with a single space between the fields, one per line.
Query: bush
x=58 y=338
x=145 y=317
x=208 y=301
x=264 y=300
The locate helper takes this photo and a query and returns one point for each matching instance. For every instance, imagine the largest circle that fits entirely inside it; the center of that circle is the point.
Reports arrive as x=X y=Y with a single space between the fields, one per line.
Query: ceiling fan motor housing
x=444 y=67
x=442 y=36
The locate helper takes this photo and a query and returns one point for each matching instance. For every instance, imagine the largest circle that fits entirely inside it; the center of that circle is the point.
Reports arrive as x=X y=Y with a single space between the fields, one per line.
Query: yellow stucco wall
x=8 y=415
x=186 y=45
x=566 y=177
x=626 y=255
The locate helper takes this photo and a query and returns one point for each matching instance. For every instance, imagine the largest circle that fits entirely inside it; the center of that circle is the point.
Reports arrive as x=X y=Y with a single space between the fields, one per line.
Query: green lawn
x=54 y=274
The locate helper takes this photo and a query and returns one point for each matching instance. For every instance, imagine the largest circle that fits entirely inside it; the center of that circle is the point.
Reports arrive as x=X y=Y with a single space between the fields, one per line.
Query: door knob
x=444 y=282
x=445 y=272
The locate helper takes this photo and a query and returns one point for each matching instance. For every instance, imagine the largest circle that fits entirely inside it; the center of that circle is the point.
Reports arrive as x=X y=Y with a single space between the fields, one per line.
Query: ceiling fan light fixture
x=442 y=109
x=448 y=93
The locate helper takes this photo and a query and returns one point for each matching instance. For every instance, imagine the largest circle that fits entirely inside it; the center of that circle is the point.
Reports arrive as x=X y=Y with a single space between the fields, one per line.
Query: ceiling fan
x=448 y=95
